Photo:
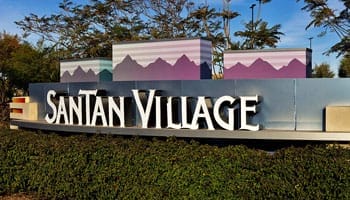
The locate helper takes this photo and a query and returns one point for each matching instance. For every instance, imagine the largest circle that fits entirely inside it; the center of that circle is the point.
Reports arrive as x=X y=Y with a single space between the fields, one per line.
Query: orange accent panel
x=16 y=110
x=19 y=100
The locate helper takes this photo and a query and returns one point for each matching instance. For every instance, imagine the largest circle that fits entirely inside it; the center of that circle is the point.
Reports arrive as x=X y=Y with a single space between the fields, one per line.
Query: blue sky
x=285 y=12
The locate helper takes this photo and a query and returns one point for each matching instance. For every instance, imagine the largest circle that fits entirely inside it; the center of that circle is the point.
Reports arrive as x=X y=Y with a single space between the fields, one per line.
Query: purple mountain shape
x=185 y=69
x=294 y=69
x=90 y=73
x=263 y=69
x=79 y=75
x=127 y=70
x=160 y=69
x=66 y=77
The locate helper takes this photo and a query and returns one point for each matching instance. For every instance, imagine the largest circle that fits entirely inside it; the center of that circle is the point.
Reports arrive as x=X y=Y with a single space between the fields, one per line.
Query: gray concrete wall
x=287 y=104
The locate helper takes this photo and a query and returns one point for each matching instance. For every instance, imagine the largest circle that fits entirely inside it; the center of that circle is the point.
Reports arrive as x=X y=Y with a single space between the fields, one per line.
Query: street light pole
x=252 y=39
x=310 y=39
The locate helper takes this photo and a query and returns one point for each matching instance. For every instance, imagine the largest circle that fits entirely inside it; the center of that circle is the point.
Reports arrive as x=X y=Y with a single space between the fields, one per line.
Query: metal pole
x=252 y=39
x=310 y=39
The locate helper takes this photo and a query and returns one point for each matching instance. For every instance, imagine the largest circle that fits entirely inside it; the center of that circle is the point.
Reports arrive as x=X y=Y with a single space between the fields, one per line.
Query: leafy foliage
x=322 y=71
x=107 y=167
x=21 y=64
x=90 y=30
x=259 y=35
x=8 y=45
x=87 y=30
x=344 y=68
x=331 y=20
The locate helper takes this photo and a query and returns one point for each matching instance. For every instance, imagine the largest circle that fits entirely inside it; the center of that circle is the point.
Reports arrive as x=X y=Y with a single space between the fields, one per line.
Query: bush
x=4 y=113
x=105 y=167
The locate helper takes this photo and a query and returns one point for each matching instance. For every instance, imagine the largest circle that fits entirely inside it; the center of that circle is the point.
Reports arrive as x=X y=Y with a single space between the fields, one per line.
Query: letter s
x=51 y=93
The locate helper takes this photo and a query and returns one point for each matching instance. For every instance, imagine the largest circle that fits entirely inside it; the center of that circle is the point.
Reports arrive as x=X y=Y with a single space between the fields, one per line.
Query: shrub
x=107 y=167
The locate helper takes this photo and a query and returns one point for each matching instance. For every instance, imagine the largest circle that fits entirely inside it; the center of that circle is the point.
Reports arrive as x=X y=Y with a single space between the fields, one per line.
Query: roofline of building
x=86 y=59
x=268 y=50
x=160 y=40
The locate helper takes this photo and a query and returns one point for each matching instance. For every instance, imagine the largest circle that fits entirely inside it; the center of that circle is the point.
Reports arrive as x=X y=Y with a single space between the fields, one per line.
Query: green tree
x=167 y=19
x=8 y=45
x=87 y=30
x=32 y=65
x=344 y=68
x=206 y=22
x=21 y=64
x=322 y=71
x=227 y=15
x=260 y=35
x=203 y=22
x=331 y=20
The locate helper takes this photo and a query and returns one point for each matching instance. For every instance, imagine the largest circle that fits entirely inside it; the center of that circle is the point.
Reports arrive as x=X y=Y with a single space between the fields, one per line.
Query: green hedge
x=104 y=167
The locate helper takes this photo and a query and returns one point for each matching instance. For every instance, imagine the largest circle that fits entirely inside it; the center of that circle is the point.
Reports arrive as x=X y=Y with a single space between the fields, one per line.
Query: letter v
x=144 y=113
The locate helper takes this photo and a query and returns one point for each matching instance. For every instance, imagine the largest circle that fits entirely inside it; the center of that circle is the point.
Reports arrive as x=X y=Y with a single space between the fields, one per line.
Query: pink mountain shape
x=262 y=69
x=159 y=62
x=258 y=69
x=127 y=70
x=91 y=76
x=128 y=60
x=184 y=60
x=79 y=75
x=78 y=72
x=294 y=69
x=160 y=69
x=66 y=77
x=185 y=69
x=90 y=72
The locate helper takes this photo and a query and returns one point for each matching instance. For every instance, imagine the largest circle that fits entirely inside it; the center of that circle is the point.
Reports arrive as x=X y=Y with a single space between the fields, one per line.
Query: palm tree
x=260 y=36
x=332 y=20
x=227 y=15
x=204 y=20
x=259 y=8
x=203 y=15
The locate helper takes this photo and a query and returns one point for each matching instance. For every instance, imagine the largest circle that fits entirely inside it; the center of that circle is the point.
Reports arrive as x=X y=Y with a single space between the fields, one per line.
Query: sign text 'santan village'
x=89 y=109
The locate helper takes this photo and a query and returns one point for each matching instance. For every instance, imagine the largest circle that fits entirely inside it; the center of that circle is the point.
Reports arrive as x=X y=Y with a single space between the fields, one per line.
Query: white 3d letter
x=245 y=109
x=144 y=113
x=99 y=111
x=61 y=110
x=112 y=106
x=169 y=106
x=184 y=122
x=51 y=93
x=201 y=105
x=77 y=109
x=230 y=124
x=87 y=94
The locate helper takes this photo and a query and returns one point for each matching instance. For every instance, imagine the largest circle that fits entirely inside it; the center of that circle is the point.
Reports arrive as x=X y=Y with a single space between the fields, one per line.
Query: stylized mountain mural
x=66 y=77
x=295 y=69
x=158 y=70
x=127 y=69
x=183 y=69
x=79 y=75
x=263 y=69
x=105 y=75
